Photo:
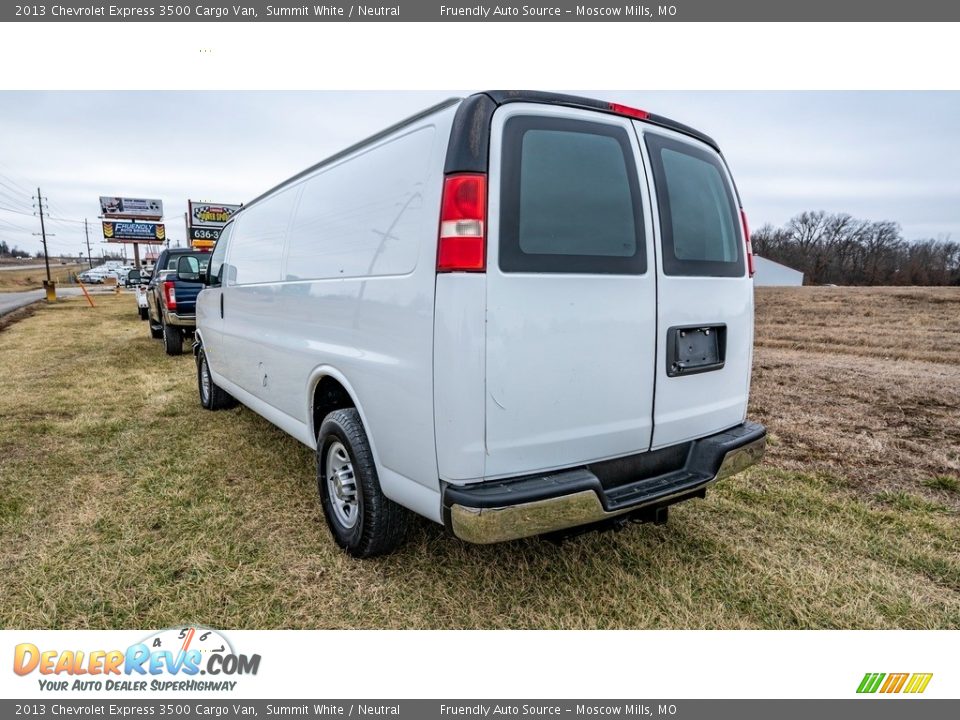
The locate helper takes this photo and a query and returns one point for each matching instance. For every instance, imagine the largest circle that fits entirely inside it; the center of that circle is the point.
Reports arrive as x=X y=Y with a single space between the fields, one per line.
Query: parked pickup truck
x=172 y=295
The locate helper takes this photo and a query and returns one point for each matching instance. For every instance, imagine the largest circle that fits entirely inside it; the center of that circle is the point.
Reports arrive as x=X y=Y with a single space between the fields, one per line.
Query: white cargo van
x=516 y=313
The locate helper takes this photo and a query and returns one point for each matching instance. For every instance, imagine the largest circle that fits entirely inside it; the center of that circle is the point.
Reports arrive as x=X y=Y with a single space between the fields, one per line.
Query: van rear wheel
x=362 y=520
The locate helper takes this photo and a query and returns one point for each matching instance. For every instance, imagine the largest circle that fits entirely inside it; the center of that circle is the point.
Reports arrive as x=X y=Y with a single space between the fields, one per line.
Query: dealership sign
x=131 y=208
x=205 y=221
x=203 y=237
x=210 y=215
x=134 y=232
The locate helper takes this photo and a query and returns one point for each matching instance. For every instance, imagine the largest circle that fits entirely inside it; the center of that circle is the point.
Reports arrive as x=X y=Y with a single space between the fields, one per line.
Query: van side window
x=256 y=253
x=219 y=253
x=698 y=213
x=570 y=198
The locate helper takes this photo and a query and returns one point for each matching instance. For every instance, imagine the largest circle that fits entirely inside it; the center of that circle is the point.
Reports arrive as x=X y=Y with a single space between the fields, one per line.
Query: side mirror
x=188 y=269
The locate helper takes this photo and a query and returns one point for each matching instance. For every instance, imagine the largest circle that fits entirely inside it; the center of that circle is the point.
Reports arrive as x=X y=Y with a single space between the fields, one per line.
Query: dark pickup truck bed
x=171 y=301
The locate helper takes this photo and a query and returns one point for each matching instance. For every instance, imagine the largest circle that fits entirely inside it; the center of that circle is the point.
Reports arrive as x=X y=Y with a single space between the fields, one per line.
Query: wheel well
x=329 y=395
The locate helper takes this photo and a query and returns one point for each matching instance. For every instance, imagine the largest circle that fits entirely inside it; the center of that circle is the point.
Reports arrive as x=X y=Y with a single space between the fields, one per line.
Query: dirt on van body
x=124 y=504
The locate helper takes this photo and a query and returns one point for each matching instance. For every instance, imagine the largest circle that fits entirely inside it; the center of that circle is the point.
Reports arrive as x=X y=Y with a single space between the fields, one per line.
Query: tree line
x=8 y=251
x=836 y=248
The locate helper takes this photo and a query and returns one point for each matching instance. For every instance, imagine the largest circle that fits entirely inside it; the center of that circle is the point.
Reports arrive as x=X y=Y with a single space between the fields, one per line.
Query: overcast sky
x=876 y=155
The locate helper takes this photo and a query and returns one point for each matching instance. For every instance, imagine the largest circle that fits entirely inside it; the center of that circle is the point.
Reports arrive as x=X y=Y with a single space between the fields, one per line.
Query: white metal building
x=771 y=274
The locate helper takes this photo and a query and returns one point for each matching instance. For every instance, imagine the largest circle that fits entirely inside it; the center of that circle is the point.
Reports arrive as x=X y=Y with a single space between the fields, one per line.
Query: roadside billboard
x=205 y=220
x=213 y=215
x=134 y=232
x=131 y=208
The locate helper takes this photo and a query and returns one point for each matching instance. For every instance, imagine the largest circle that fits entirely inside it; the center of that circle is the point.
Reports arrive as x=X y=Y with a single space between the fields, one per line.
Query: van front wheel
x=212 y=396
x=362 y=520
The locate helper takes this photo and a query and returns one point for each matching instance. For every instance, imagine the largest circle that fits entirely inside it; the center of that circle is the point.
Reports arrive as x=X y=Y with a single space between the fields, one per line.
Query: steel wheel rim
x=204 y=381
x=342 y=485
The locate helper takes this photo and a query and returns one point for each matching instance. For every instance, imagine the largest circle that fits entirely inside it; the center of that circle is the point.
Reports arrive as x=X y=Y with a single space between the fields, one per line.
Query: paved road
x=40 y=266
x=10 y=301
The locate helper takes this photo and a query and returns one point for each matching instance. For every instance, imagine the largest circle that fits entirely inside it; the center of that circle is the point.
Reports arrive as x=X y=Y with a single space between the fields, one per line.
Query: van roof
x=469 y=144
x=449 y=102
x=501 y=97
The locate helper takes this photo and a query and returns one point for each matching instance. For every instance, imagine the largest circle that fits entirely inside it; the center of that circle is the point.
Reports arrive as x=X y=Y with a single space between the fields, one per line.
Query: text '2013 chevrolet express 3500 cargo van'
x=514 y=314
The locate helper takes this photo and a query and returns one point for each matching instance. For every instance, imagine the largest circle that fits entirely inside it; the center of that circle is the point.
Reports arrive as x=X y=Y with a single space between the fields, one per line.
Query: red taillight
x=746 y=238
x=629 y=111
x=169 y=295
x=463 y=220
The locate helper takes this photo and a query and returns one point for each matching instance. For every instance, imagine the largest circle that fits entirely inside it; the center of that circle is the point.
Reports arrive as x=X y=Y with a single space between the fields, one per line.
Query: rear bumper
x=180 y=319
x=510 y=509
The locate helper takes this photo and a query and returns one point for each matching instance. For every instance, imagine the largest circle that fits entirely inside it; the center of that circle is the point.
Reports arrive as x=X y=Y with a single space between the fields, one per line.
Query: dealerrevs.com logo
x=179 y=659
x=911 y=683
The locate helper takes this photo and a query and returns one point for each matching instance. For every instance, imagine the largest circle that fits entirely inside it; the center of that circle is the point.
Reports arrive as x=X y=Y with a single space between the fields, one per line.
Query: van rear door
x=705 y=293
x=571 y=291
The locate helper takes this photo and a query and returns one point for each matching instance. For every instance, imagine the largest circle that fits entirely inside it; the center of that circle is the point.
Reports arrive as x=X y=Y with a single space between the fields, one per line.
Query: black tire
x=143 y=314
x=381 y=525
x=172 y=340
x=215 y=398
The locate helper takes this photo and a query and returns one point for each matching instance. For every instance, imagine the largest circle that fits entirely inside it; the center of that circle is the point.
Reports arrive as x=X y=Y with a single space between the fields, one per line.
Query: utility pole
x=86 y=230
x=43 y=233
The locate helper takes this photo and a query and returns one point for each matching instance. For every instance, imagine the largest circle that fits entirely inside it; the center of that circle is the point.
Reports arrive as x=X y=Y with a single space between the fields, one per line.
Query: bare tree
x=839 y=248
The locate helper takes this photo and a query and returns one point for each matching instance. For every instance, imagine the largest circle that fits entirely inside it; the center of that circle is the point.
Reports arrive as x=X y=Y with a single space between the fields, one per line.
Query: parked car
x=138 y=281
x=171 y=296
x=571 y=348
x=93 y=276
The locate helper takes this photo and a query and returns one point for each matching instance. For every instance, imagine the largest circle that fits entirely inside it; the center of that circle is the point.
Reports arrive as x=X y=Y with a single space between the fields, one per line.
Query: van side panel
x=459 y=368
x=357 y=295
x=250 y=339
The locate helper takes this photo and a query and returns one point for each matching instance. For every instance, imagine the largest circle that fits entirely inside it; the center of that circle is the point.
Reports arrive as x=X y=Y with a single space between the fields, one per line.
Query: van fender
x=197 y=341
x=318 y=374
x=402 y=490
x=388 y=480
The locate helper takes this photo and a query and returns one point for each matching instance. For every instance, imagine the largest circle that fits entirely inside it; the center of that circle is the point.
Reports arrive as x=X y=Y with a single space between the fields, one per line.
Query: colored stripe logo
x=913 y=683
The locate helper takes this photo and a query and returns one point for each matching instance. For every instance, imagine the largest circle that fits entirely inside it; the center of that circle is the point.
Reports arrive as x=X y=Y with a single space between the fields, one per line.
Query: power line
x=33 y=214
x=18 y=212
x=21 y=187
x=13 y=200
x=54 y=209
x=14 y=225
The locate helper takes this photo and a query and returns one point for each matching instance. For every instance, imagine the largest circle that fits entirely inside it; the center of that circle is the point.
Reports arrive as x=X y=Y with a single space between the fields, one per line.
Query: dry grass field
x=123 y=504
x=19 y=280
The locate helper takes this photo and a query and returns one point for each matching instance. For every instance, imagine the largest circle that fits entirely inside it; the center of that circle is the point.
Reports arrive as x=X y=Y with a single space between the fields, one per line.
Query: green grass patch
x=943 y=482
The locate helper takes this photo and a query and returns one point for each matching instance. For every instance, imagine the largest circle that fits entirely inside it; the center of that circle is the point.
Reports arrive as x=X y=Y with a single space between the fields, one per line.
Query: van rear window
x=699 y=226
x=570 y=198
